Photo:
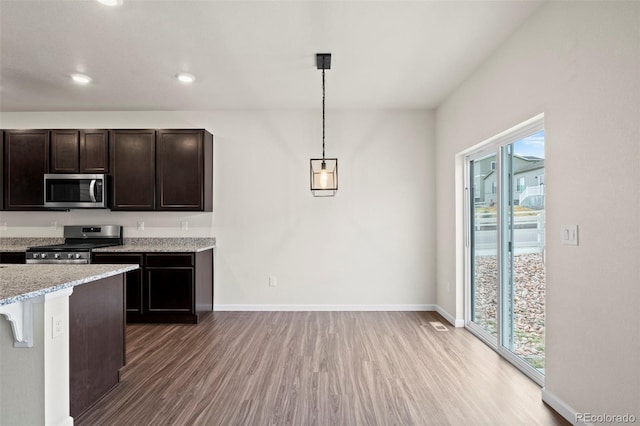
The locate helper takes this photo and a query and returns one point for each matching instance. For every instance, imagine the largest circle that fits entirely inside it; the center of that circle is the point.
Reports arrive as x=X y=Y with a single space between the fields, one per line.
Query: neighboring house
x=528 y=182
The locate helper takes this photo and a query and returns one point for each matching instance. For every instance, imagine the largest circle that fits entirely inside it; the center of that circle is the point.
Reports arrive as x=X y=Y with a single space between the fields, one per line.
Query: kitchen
x=412 y=85
x=170 y=280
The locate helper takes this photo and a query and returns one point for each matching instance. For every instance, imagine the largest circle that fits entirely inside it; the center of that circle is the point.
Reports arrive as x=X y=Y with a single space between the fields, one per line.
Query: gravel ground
x=529 y=297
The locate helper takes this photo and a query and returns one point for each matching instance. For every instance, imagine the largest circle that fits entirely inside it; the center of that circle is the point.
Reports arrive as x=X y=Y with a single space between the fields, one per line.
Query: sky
x=531 y=145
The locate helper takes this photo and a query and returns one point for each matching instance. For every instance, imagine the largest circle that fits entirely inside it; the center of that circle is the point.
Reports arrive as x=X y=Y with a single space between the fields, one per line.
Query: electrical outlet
x=140 y=226
x=57 y=326
x=272 y=281
x=184 y=225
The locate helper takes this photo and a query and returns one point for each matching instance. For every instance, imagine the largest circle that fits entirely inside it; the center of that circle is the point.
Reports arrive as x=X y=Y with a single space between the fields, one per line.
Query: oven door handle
x=92 y=190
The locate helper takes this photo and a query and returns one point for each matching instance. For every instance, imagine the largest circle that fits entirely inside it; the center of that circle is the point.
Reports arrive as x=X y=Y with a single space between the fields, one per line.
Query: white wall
x=373 y=244
x=579 y=63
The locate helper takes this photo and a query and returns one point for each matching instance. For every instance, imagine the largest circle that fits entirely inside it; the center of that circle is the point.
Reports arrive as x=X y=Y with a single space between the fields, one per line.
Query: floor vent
x=438 y=326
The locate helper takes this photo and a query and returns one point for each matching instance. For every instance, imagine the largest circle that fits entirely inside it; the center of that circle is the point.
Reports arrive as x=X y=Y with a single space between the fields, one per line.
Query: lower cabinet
x=13 y=257
x=133 y=279
x=168 y=287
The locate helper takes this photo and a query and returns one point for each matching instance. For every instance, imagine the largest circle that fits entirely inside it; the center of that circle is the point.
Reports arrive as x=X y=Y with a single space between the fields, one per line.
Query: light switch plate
x=569 y=235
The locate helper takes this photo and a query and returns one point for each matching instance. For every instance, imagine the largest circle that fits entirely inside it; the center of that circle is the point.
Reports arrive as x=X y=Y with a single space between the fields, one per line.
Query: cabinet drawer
x=173 y=259
x=125 y=258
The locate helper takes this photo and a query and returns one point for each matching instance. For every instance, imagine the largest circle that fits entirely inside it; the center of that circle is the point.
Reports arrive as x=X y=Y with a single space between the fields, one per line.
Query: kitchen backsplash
x=135 y=224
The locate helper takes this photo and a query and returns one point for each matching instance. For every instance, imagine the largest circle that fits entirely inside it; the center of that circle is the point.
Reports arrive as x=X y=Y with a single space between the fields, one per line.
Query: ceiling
x=245 y=55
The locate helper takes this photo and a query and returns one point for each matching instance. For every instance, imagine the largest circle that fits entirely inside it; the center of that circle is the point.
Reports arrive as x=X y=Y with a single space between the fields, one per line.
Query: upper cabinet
x=184 y=170
x=65 y=148
x=133 y=171
x=79 y=151
x=94 y=151
x=164 y=170
x=26 y=160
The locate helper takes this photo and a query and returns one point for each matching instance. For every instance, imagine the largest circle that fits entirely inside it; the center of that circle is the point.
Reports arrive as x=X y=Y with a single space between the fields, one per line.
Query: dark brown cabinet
x=165 y=170
x=133 y=279
x=184 y=170
x=172 y=287
x=96 y=341
x=133 y=159
x=94 y=151
x=169 y=283
x=79 y=151
x=18 y=257
x=26 y=160
x=65 y=148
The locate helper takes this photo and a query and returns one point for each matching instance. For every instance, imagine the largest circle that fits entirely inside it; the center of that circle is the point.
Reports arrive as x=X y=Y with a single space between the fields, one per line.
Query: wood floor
x=316 y=368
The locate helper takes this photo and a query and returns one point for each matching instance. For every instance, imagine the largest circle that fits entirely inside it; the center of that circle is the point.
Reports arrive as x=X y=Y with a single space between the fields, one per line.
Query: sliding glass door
x=505 y=247
x=523 y=286
x=483 y=238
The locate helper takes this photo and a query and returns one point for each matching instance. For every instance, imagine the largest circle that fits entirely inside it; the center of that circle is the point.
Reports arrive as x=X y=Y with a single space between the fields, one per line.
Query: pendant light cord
x=323 y=112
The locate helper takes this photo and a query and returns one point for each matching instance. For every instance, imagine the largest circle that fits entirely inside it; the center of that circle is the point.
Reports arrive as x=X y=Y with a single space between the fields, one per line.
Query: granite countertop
x=21 y=282
x=15 y=244
x=179 y=245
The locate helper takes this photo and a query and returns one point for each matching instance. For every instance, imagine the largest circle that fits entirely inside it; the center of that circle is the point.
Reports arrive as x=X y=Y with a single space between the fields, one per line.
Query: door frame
x=495 y=145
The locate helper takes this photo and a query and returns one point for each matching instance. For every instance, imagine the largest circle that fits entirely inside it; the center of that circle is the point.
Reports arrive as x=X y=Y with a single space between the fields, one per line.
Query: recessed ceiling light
x=111 y=2
x=81 y=78
x=185 y=77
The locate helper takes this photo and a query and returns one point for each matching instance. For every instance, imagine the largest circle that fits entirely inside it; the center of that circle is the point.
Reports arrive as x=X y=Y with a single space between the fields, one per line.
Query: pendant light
x=324 y=171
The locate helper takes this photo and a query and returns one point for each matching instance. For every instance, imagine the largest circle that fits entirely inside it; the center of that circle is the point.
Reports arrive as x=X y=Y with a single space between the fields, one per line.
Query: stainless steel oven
x=79 y=241
x=75 y=191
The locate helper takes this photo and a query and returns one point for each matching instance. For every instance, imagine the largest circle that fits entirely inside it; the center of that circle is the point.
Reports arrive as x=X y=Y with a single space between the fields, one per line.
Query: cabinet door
x=179 y=170
x=133 y=279
x=65 y=151
x=132 y=158
x=26 y=161
x=170 y=290
x=94 y=151
x=184 y=170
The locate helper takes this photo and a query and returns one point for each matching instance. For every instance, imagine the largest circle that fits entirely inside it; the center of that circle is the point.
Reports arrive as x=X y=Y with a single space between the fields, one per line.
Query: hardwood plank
x=316 y=368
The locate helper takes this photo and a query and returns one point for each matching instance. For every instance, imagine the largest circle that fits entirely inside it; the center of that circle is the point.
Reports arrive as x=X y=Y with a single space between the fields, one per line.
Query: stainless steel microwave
x=75 y=191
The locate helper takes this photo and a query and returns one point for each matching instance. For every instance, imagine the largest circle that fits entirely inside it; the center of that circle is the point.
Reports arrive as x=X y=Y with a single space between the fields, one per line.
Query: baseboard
x=231 y=307
x=561 y=407
x=456 y=322
x=66 y=422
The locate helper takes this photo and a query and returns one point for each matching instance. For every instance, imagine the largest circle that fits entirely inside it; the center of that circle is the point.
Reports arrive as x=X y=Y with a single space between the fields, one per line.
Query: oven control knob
x=78 y=256
x=43 y=255
x=56 y=256
x=69 y=255
x=36 y=255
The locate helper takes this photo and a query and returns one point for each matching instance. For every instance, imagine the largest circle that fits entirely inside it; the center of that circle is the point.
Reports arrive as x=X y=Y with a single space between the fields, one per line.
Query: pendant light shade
x=324 y=176
x=324 y=171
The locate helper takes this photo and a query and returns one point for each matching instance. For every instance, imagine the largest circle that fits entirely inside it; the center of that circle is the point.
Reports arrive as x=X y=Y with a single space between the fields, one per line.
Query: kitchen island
x=38 y=370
